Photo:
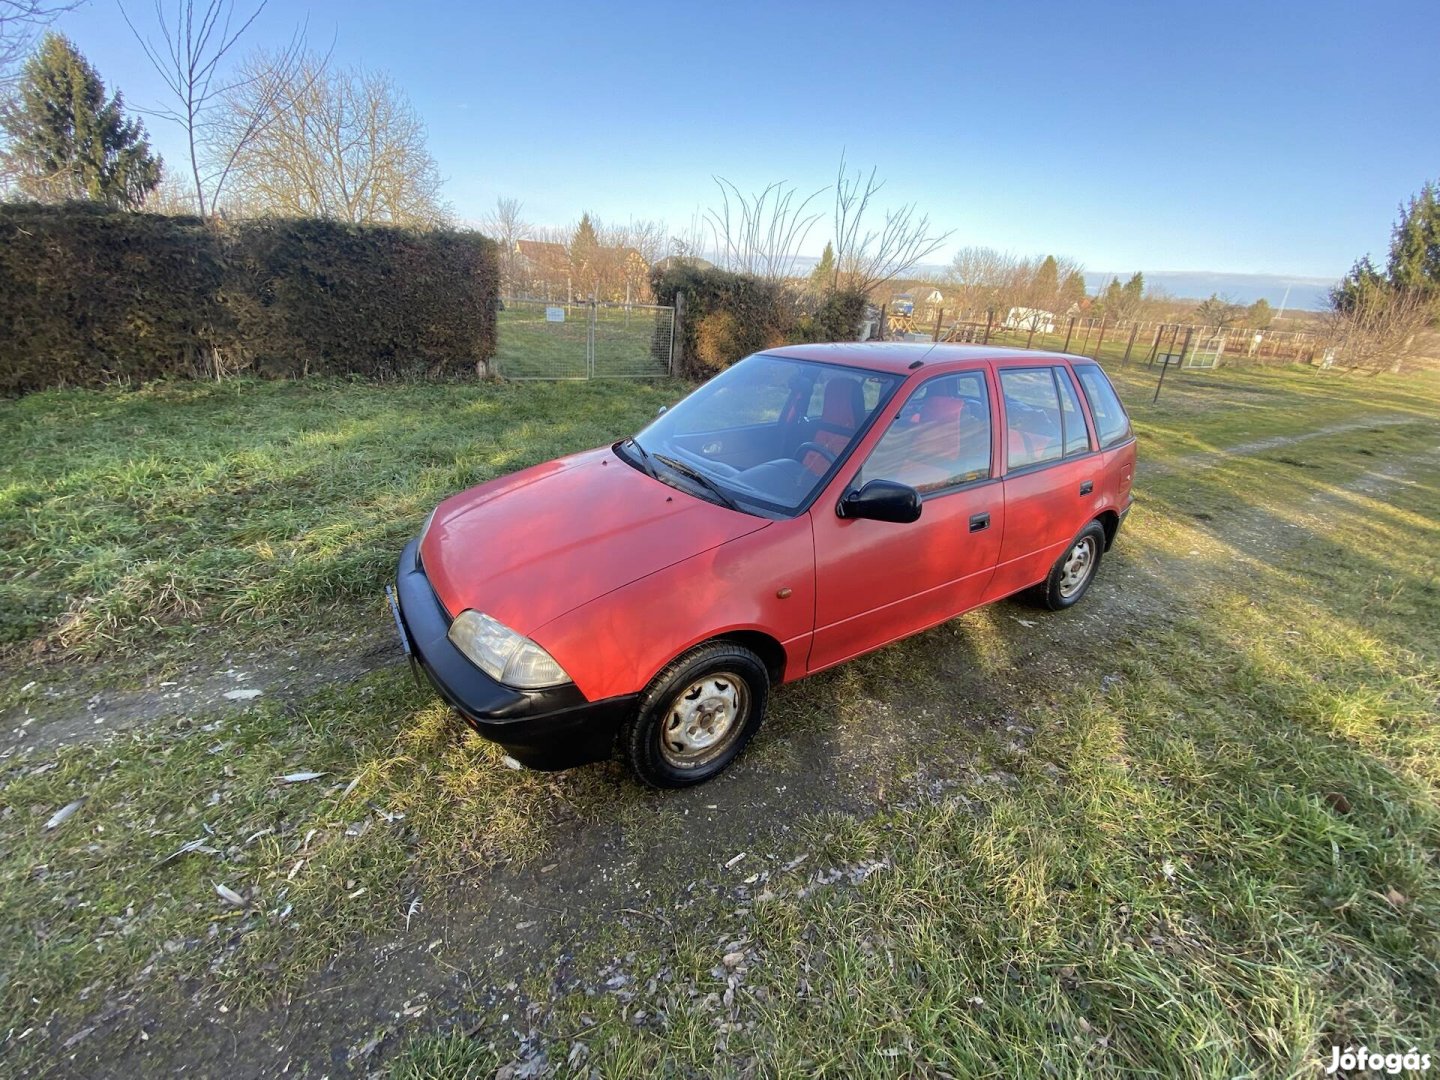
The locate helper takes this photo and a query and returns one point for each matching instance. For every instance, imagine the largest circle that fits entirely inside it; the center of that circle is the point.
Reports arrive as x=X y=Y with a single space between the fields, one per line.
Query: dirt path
x=469 y=948
x=1205 y=459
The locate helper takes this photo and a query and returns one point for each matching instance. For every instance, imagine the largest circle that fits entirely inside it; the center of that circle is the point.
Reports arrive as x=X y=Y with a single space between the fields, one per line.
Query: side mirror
x=882 y=500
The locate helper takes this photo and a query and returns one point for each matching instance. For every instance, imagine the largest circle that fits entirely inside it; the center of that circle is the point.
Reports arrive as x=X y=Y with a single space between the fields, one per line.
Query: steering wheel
x=805 y=447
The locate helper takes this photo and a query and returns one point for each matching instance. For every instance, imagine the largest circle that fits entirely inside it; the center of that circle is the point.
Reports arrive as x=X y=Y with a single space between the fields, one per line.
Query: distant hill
x=1306 y=293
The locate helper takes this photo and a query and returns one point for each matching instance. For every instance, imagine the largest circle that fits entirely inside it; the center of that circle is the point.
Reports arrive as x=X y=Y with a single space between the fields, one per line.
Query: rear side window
x=1111 y=422
x=1033 y=429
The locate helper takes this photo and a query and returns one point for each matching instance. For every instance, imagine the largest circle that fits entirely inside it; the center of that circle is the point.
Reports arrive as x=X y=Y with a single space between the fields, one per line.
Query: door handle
x=1087 y=487
x=979 y=522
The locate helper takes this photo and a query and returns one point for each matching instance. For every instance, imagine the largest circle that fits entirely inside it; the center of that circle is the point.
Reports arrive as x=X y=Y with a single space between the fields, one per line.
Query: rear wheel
x=1073 y=572
x=697 y=715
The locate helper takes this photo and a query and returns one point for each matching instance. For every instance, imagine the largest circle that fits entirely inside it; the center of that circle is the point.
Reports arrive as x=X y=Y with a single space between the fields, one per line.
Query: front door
x=877 y=581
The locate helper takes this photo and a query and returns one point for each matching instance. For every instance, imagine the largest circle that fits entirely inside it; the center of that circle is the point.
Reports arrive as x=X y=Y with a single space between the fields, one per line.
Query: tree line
x=277 y=132
x=1378 y=314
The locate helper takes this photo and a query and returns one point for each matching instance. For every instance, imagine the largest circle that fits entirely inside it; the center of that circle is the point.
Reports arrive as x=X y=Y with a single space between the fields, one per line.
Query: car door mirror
x=882 y=500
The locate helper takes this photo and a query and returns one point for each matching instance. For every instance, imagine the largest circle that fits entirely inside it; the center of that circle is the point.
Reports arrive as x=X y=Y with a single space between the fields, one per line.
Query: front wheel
x=1073 y=572
x=697 y=715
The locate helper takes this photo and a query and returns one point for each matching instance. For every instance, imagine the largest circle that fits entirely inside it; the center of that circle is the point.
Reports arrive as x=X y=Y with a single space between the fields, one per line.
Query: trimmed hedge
x=729 y=316
x=90 y=296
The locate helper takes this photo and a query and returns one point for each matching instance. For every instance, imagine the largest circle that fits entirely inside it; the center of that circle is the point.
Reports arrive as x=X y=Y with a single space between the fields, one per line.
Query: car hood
x=529 y=547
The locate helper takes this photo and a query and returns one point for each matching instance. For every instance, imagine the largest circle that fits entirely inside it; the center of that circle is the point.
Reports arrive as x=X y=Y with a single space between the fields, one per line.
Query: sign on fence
x=554 y=314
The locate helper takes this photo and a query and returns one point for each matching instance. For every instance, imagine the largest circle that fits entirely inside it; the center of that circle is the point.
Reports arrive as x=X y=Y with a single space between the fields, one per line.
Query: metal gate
x=542 y=339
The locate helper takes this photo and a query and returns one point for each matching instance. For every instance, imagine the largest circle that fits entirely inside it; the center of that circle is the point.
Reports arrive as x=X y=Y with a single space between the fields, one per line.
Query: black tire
x=1061 y=589
x=661 y=741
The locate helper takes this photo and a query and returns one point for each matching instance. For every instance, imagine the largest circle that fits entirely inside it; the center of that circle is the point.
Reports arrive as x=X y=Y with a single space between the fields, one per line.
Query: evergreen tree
x=1134 y=292
x=1415 y=244
x=1072 y=291
x=1357 y=288
x=584 y=253
x=1047 y=284
x=1114 y=299
x=822 y=278
x=67 y=141
x=1261 y=314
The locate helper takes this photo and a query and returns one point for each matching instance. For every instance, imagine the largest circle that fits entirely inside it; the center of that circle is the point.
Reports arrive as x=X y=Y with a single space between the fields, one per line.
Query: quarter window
x=941 y=437
x=1077 y=438
x=1111 y=423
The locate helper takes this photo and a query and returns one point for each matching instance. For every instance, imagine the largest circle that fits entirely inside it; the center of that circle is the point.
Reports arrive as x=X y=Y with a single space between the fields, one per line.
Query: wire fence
x=1128 y=340
x=543 y=339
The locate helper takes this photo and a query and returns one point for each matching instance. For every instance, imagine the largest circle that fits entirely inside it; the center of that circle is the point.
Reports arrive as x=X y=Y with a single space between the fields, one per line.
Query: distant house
x=929 y=303
x=541 y=260
x=1027 y=319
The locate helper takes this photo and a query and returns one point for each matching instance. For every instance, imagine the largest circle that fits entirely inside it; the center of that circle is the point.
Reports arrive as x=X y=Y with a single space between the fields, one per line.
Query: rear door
x=877 y=581
x=1112 y=428
x=1053 y=473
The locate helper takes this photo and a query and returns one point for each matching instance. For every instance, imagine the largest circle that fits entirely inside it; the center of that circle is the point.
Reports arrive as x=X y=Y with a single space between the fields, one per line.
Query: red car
x=807 y=505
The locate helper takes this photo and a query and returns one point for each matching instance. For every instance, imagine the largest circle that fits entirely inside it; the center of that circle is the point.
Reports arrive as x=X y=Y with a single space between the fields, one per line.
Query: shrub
x=90 y=296
x=728 y=316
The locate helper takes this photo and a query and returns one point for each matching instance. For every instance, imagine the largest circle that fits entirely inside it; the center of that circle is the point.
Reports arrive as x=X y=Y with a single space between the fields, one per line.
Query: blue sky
x=1253 y=137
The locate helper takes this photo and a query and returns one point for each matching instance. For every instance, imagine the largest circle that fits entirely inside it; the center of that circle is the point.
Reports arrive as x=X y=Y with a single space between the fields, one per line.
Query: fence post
x=1155 y=345
x=1100 y=338
x=989 y=321
x=938 y=320
x=677 y=333
x=880 y=329
x=1134 y=329
x=1069 y=330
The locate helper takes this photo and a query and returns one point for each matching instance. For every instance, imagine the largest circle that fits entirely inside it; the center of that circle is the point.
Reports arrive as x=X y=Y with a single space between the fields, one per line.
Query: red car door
x=1053 y=476
x=877 y=581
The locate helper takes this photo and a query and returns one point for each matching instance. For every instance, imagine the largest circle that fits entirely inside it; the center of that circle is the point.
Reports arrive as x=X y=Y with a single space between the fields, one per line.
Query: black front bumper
x=544 y=729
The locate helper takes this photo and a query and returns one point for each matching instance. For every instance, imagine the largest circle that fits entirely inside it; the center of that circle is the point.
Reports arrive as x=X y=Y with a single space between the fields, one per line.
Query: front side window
x=1111 y=422
x=764 y=434
x=940 y=439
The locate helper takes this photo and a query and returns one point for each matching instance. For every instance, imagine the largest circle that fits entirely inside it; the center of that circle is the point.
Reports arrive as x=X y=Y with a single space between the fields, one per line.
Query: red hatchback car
x=807 y=505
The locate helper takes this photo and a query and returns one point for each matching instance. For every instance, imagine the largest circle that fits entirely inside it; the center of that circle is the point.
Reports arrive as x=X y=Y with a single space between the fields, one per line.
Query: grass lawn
x=633 y=343
x=253 y=509
x=1203 y=847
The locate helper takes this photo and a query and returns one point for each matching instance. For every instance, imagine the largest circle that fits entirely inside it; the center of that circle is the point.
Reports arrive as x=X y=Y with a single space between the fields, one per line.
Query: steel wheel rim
x=704 y=720
x=1077 y=567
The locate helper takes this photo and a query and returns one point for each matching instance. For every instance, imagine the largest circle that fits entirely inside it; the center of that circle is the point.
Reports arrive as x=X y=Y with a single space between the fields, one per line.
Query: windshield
x=763 y=435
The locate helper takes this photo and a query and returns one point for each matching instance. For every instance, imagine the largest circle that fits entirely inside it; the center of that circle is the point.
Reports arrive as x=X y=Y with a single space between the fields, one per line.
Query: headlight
x=504 y=655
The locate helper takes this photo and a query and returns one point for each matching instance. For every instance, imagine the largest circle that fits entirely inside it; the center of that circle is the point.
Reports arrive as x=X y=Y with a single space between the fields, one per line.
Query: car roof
x=900 y=356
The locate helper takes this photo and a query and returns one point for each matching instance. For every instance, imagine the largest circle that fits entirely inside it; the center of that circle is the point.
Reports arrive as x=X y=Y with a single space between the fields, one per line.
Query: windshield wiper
x=644 y=459
x=700 y=478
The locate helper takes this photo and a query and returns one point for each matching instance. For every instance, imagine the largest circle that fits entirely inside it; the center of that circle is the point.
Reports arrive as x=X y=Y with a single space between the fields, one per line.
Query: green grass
x=628 y=343
x=250 y=508
x=1214 y=854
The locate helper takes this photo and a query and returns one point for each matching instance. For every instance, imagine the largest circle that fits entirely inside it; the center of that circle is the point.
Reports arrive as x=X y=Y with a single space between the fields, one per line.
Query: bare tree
x=983 y=279
x=20 y=21
x=1219 y=311
x=1374 y=327
x=760 y=233
x=190 y=57
x=689 y=243
x=337 y=144
x=507 y=228
x=867 y=258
